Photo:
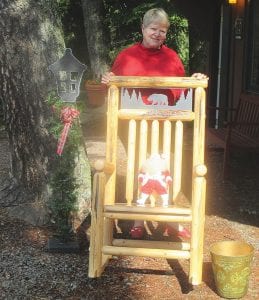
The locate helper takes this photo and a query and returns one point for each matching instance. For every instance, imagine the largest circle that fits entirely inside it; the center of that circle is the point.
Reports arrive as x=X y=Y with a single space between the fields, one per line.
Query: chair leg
x=197 y=238
x=94 y=269
x=96 y=238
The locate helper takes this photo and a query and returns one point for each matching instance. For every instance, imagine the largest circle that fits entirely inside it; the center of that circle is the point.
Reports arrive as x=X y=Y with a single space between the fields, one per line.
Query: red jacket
x=137 y=60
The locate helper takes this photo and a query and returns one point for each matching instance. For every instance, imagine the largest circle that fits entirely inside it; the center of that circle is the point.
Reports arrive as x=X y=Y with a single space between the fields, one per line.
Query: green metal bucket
x=231 y=264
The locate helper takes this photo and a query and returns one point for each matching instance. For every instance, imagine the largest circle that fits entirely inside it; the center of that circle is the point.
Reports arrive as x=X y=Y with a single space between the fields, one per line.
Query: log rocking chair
x=147 y=124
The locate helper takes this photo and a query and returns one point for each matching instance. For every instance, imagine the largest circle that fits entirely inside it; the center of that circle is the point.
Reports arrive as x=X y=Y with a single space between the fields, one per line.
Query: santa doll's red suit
x=157 y=183
x=154 y=177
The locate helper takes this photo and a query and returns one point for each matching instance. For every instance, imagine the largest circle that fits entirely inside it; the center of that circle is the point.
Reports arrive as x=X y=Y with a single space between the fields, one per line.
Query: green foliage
x=123 y=19
x=62 y=6
x=62 y=181
x=178 y=38
x=122 y=27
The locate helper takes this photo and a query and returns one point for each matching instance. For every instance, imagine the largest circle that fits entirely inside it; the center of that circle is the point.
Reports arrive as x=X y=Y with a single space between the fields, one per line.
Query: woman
x=151 y=57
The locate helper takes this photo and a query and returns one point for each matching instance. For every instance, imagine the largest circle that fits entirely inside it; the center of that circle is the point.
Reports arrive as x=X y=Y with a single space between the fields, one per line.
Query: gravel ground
x=29 y=271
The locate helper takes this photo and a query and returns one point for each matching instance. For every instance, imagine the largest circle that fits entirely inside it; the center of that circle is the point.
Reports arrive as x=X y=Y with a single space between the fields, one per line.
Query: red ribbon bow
x=68 y=114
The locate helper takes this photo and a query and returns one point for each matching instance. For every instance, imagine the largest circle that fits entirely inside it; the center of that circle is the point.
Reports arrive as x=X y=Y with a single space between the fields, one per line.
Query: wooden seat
x=144 y=138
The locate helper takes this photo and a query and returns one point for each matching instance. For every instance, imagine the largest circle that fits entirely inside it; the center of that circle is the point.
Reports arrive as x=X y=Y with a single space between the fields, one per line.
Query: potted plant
x=96 y=92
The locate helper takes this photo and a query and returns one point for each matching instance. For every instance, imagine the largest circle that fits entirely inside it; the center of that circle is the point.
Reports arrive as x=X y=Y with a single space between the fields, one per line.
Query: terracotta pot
x=96 y=93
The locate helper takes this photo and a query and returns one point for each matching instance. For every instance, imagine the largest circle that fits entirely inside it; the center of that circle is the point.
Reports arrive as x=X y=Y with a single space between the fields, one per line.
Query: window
x=252 y=77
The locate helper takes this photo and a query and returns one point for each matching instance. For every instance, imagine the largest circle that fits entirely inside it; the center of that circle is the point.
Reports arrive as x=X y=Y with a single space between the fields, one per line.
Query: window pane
x=74 y=75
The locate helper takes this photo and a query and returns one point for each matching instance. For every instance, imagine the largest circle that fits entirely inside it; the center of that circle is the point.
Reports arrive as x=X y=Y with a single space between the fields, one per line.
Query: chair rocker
x=147 y=124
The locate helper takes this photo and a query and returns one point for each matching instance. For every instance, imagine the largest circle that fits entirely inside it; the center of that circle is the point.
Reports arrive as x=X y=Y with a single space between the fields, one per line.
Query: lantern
x=68 y=72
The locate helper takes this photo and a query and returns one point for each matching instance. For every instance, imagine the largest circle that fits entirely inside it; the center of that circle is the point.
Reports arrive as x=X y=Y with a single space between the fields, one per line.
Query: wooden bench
x=240 y=134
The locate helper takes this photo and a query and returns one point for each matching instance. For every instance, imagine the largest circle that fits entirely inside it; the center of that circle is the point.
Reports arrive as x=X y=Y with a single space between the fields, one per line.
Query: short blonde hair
x=157 y=15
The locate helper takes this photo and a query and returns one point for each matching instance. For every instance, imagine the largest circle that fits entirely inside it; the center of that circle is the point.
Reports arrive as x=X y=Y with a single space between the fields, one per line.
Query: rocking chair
x=147 y=124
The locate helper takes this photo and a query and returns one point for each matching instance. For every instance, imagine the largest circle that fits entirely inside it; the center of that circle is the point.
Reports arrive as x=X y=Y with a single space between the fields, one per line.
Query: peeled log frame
x=167 y=141
x=148 y=209
x=148 y=217
x=157 y=81
x=111 y=142
x=96 y=238
x=155 y=137
x=143 y=142
x=155 y=244
x=146 y=252
x=111 y=159
x=177 y=169
x=195 y=275
x=131 y=161
x=198 y=190
x=147 y=114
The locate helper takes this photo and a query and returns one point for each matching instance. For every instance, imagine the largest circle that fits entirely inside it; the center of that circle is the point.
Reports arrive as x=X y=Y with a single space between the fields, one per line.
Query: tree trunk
x=30 y=41
x=94 y=30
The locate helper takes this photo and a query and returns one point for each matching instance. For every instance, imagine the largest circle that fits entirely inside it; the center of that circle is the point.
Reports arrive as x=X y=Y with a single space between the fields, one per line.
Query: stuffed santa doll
x=154 y=177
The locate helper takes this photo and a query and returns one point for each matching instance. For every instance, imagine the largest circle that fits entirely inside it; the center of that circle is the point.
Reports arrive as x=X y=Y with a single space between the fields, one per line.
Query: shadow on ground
x=235 y=198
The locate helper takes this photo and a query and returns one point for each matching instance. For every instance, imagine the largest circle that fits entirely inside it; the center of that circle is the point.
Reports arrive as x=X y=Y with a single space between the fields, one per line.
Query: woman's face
x=154 y=35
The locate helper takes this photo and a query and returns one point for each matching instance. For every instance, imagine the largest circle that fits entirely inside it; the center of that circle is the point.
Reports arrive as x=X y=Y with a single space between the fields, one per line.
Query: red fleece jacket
x=137 y=60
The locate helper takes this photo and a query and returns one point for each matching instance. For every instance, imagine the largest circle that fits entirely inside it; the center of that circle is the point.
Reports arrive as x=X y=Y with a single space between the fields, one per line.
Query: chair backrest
x=153 y=131
x=247 y=116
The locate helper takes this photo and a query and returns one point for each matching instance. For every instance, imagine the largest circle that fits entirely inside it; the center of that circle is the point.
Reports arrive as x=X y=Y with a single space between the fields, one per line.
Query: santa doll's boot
x=176 y=229
x=142 y=200
x=165 y=200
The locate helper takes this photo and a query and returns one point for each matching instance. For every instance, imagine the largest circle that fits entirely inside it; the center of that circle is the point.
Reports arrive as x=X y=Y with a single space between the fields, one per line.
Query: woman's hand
x=107 y=77
x=199 y=76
